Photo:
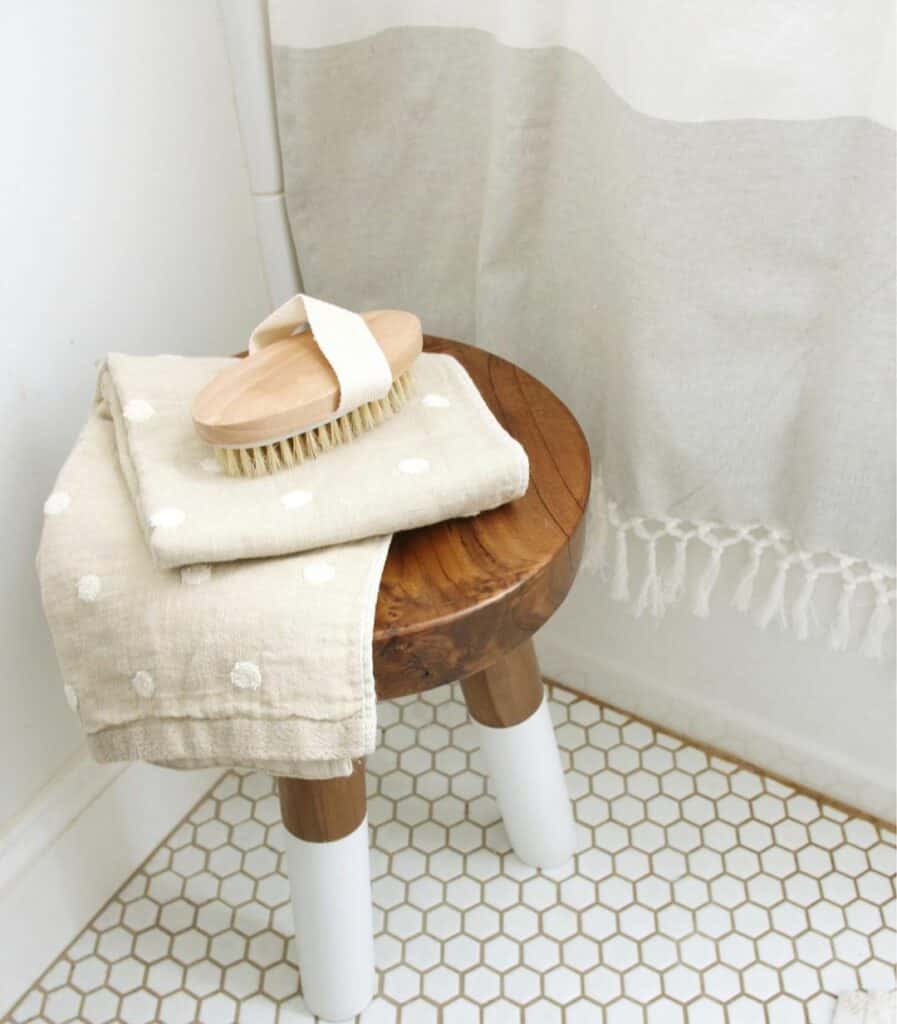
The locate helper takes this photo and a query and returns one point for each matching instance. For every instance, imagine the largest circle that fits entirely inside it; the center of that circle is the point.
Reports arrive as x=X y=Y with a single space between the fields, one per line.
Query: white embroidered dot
x=209 y=466
x=434 y=401
x=296 y=499
x=89 y=587
x=143 y=683
x=71 y=698
x=58 y=502
x=138 y=410
x=318 y=571
x=245 y=675
x=414 y=466
x=193 y=575
x=167 y=517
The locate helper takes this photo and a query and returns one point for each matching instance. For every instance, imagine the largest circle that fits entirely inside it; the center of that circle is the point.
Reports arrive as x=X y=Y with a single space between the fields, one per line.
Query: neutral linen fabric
x=177 y=643
x=707 y=60
x=681 y=218
x=429 y=463
x=866 y=1008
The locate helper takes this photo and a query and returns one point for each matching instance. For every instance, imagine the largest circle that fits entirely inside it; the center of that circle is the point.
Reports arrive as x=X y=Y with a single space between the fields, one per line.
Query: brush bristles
x=270 y=458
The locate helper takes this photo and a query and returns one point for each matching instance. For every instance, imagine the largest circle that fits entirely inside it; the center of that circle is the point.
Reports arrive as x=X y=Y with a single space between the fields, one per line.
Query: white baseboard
x=722 y=723
x=77 y=784
x=72 y=848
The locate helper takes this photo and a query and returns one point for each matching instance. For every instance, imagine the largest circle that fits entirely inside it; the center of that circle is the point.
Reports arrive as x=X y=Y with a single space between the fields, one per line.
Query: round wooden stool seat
x=457 y=596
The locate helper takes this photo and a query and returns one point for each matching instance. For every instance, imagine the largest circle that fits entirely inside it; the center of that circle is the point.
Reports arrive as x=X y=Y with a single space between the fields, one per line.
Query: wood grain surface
x=322 y=810
x=289 y=385
x=508 y=692
x=457 y=596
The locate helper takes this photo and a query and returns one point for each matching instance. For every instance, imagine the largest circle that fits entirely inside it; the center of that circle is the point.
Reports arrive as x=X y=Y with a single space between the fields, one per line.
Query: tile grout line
x=391 y=779
x=722 y=754
x=127 y=881
x=707 y=748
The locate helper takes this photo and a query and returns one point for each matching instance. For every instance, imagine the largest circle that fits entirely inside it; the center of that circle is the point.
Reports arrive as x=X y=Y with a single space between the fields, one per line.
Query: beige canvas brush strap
x=363 y=373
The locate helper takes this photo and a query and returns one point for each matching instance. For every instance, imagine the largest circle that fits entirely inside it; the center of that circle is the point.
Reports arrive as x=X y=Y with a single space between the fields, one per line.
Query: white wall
x=819 y=718
x=125 y=224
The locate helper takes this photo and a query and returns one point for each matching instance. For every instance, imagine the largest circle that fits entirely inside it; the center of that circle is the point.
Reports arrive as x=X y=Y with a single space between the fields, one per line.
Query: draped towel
x=178 y=642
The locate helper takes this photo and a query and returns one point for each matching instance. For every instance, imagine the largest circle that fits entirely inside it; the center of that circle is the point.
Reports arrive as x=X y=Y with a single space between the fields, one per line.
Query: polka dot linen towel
x=206 y=620
x=445 y=455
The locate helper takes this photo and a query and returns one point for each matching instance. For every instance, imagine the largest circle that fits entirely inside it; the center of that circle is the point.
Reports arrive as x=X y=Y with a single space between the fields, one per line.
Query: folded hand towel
x=444 y=456
x=264 y=663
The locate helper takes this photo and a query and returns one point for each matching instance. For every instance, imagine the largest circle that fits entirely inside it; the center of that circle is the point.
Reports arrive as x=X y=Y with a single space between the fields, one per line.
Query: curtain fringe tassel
x=797 y=571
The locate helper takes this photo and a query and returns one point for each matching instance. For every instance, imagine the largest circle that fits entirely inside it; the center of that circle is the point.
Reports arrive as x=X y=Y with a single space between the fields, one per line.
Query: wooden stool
x=459 y=600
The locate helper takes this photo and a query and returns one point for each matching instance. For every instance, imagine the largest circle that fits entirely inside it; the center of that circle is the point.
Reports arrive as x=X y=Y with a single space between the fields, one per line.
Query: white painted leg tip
x=543 y=861
x=527 y=780
x=541 y=864
x=345 y=1012
x=331 y=891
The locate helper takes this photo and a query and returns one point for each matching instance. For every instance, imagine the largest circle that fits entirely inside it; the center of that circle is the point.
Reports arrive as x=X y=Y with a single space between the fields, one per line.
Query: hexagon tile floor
x=701 y=893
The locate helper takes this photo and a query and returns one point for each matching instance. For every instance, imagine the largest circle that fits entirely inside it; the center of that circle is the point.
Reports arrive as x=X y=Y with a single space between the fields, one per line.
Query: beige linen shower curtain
x=680 y=216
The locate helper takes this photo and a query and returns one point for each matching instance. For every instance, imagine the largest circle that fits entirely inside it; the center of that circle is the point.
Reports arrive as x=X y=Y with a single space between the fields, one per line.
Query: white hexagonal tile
x=702 y=893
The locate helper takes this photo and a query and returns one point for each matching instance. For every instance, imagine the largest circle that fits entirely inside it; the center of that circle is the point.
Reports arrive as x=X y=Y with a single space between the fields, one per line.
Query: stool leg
x=508 y=705
x=329 y=868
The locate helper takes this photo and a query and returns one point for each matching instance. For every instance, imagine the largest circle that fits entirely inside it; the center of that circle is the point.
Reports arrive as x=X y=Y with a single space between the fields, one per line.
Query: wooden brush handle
x=287 y=385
